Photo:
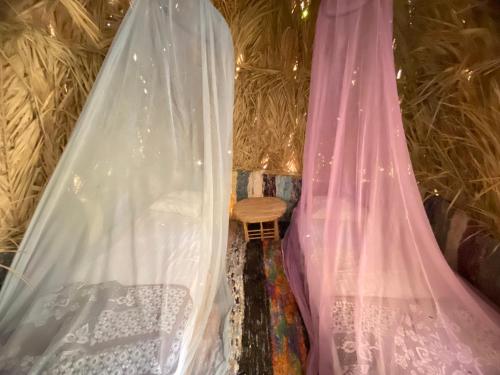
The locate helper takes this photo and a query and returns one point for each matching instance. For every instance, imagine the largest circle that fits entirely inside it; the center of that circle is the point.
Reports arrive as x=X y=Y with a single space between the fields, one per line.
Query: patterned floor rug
x=235 y=264
x=273 y=335
x=288 y=337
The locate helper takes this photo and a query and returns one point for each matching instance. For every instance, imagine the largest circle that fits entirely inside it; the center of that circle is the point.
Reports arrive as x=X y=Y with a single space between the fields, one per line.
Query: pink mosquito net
x=375 y=292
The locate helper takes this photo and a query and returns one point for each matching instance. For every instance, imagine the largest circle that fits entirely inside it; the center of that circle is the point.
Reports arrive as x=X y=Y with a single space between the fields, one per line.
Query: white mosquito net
x=125 y=254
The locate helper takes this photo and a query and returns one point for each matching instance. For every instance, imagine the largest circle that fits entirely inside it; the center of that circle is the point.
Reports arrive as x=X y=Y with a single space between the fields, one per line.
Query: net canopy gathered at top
x=375 y=292
x=125 y=254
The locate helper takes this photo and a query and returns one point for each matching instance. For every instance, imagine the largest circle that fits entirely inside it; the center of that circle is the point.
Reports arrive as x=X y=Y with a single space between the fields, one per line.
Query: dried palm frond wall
x=51 y=51
x=273 y=45
x=448 y=64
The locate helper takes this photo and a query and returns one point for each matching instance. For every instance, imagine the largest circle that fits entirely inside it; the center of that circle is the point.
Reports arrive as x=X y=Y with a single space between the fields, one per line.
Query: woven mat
x=288 y=337
x=273 y=341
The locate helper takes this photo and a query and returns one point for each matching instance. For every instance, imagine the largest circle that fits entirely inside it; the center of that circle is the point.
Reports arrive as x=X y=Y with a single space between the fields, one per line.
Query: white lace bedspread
x=106 y=328
x=397 y=336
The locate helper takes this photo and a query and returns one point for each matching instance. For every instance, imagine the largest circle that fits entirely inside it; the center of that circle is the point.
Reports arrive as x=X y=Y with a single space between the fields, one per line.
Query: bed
x=116 y=326
x=376 y=320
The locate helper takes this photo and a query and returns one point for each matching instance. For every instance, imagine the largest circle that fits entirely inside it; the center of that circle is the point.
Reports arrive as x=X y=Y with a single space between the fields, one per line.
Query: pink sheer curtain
x=374 y=290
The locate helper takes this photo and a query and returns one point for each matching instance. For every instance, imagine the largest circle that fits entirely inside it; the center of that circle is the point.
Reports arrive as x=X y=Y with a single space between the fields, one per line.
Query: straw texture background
x=447 y=50
x=448 y=61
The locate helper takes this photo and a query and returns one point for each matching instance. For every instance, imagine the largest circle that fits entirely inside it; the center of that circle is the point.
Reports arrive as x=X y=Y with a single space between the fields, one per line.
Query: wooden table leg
x=245 y=228
x=276 y=230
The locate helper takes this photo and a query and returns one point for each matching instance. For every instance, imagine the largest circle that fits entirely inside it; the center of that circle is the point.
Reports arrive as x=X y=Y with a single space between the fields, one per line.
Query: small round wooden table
x=259 y=211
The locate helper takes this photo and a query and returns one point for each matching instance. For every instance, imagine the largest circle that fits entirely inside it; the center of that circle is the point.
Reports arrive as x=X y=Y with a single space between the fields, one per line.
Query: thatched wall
x=273 y=46
x=50 y=53
x=51 y=50
x=448 y=61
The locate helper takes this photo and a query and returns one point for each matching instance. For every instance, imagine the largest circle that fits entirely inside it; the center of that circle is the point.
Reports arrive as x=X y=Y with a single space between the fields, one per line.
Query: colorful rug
x=256 y=353
x=288 y=339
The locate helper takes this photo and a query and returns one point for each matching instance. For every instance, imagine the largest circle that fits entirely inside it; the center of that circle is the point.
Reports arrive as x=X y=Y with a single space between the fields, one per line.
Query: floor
x=288 y=338
x=256 y=355
x=273 y=337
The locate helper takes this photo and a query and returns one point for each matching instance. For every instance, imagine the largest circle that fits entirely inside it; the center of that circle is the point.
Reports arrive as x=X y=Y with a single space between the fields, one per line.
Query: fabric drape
x=375 y=292
x=125 y=254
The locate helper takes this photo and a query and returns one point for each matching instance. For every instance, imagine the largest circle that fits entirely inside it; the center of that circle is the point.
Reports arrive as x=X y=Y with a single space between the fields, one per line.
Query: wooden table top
x=255 y=210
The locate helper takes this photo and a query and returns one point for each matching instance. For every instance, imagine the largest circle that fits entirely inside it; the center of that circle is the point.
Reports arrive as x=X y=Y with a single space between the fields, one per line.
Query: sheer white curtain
x=125 y=254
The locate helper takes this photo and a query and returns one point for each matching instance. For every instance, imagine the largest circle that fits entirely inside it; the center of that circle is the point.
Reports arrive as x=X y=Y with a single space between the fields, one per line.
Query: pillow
x=319 y=208
x=184 y=202
x=344 y=209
